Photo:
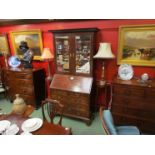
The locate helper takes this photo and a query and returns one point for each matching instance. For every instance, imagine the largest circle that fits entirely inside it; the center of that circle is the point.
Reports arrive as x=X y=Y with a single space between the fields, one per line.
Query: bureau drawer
x=150 y=94
x=75 y=111
x=20 y=83
x=132 y=111
x=23 y=75
x=127 y=101
x=128 y=91
x=70 y=97
x=22 y=90
x=133 y=103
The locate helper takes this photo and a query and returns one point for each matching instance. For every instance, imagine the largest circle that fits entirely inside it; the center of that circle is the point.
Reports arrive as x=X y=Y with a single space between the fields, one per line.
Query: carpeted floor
x=78 y=127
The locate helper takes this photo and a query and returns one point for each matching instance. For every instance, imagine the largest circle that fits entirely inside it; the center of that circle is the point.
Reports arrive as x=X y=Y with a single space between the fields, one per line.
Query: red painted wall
x=108 y=33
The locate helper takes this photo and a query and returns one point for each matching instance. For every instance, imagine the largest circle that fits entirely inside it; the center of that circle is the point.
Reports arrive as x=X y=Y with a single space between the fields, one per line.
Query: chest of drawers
x=29 y=83
x=74 y=92
x=134 y=104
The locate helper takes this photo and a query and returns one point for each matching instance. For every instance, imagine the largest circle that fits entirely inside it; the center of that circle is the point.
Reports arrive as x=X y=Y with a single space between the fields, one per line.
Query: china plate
x=125 y=72
x=26 y=133
x=4 y=124
x=14 y=61
x=36 y=124
x=12 y=130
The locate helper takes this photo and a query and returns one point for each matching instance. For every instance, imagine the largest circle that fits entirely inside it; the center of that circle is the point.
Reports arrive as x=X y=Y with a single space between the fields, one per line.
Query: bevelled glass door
x=83 y=51
x=62 y=53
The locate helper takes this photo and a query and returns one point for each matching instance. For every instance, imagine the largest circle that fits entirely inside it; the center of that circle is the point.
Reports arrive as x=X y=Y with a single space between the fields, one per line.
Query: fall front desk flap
x=78 y=84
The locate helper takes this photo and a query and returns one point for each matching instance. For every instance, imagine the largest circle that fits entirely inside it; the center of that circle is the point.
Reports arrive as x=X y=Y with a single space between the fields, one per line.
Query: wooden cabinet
x=29 y=83
x=74 y=92
x=74 y=51
x=134 y=104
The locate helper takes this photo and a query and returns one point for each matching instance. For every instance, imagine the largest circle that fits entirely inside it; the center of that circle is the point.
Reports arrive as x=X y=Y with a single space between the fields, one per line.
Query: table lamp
x=48 y=56
x=104 y=52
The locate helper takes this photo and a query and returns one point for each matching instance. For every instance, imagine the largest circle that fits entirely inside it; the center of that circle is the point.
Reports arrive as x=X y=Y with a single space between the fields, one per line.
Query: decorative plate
x=14 y=61
x=32 y=124
x=125 y=72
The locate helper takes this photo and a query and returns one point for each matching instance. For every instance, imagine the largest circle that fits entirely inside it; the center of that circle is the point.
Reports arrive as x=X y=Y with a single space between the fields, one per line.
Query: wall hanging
x=137 y=45
x=4 y=48
x=33 y=39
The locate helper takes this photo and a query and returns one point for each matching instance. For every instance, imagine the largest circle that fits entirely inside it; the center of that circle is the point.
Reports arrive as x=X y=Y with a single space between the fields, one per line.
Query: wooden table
x=46 y=129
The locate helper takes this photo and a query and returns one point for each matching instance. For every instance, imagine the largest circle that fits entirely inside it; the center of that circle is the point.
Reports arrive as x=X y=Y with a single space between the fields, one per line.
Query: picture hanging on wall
x=137 y=45
x=4 y=47
x=33 y=40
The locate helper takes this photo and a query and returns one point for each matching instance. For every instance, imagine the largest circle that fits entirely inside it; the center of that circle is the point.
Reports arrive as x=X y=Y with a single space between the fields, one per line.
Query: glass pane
x=62 y=53
x=83 y=47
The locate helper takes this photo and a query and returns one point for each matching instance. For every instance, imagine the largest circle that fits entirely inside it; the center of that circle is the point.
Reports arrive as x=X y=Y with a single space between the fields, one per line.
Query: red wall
x=108 y=33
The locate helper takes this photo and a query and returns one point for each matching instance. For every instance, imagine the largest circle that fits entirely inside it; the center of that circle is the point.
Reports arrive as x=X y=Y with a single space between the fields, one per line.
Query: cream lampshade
x=47 y=56
x=104 y=52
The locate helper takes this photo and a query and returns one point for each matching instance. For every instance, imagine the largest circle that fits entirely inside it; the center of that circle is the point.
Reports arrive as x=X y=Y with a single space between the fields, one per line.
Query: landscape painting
x=137 y=45
x=32 y=38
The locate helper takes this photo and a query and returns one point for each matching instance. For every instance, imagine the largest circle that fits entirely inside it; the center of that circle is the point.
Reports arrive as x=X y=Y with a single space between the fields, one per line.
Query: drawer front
x=141 y=113
x=20 y=83
x=22 y=90
x=74 y=104
x=150 y=94
x=23 y=75
x=135 y=92
x=127 y=101
x=136 y=103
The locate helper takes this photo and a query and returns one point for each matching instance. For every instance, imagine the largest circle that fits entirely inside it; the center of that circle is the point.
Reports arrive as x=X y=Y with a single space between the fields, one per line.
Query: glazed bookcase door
x=74 y=50
x=62 y=51
x=83 y=53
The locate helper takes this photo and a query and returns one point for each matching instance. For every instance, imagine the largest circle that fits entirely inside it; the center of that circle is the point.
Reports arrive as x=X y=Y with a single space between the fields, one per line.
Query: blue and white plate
x=14 y=61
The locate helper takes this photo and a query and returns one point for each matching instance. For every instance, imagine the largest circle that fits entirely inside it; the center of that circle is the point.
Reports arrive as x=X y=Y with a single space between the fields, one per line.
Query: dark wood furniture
x=134 y=104
x=53 y=108
x=74 y=92
x=46 y=129
x=74 y=51
x=29 y=83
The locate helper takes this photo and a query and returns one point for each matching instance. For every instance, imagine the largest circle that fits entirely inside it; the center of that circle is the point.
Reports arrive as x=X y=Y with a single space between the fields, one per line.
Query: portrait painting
x=137 y=45
x=33 y=39
x=4 y=47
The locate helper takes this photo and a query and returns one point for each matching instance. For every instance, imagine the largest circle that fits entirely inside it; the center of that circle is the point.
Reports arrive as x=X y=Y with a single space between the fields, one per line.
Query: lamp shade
x=47 y=55
x=104 y=52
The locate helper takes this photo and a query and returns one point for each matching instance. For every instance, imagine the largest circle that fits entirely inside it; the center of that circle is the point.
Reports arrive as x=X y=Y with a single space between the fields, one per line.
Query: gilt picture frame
x=33 y=39
x=4 y=46
x=136 y=45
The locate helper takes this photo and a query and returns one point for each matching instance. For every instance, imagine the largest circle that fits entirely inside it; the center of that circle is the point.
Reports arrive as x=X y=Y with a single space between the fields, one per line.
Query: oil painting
x=4 y=47
x=33 y=39
x=137 y=45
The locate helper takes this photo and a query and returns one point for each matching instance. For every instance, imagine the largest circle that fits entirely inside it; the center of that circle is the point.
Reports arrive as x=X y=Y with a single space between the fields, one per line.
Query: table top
x=46 y=129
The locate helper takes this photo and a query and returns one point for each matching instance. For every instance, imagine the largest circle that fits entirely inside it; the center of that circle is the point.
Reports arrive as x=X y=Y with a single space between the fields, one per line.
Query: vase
x=19 y=105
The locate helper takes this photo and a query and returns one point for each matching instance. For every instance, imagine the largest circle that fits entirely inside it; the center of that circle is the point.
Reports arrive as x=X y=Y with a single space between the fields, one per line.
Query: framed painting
x=137 y=45
x=4 y=47
x=33 y=40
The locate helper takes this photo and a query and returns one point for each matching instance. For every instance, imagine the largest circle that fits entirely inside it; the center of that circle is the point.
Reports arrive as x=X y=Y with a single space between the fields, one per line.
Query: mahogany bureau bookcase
x=29 y=83
x=134 y=104
x=72 y=83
